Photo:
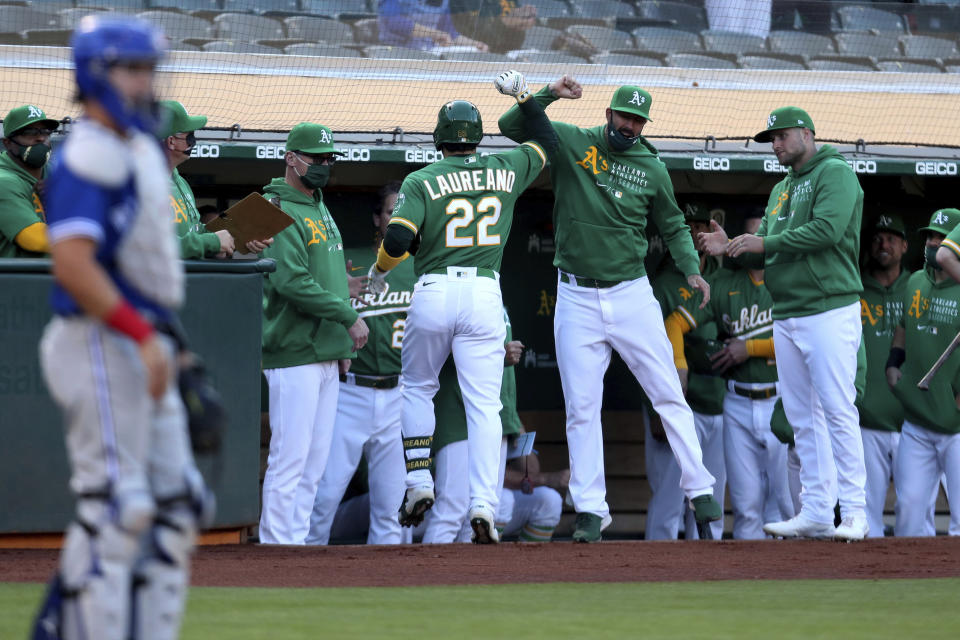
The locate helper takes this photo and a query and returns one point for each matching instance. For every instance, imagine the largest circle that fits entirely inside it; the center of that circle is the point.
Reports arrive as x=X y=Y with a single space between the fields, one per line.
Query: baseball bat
x=924 y=383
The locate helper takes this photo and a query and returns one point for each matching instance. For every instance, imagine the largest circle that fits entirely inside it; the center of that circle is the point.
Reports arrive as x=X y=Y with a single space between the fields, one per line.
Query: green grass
x=900 y=609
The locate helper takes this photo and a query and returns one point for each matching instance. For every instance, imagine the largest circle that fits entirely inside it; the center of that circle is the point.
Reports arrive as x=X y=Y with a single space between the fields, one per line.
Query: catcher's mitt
x=205 y=411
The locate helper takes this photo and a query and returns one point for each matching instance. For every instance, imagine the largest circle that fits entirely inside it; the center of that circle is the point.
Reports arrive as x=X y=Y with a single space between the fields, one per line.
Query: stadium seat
x=186 y=5
x=542 y=38
x=549 y=9
x=314 y=29
x=602 y=38
x=475 y=56
x=730 y=42
x=800 y=43
x=47 y=37
x=602 y=9
x=626 y=60
x=15 y=18
x=366 y=31
x=324 y=50
x=909 y=66
x=179 y=26
x=546 y=57
x=699 y=61
x=117 y=5
x=928 y=47
x=939 y=19
x=682 y=16
x=397 y=53
x=261 y=6
x=340 y=9
x=953 y=68
x=69 y=17
x=861 y=18
x=183 y=46
x=867 y=44
x=247 y=28
x=663 y=40
x=839 y=64
x=793 y=63
x=232 y=46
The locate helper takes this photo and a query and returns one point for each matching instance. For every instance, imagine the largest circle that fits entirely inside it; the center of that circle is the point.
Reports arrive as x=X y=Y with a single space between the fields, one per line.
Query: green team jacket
x=451 y=414
x=306 y=311
x=20 y=206
x=881 y=312
x=195 y=241
x=811 y=238
x=931 y=318
x=385 y=315
x=603 y=202
x=743 y=309
x=670 y=288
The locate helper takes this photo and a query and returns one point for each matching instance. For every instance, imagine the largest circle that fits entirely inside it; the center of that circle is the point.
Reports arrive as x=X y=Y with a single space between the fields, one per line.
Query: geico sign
x=936 y=168
x=205 y=151
x=355 y=155
x=269 y=151
x=774 y=166
x=863 y=166
x=422 y=155
x=704 y=163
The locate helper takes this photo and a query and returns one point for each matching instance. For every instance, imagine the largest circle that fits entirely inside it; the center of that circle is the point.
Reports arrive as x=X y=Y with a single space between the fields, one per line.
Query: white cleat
x=800 y=527
x=482 y=522
x=852 y=528
x=416 y=502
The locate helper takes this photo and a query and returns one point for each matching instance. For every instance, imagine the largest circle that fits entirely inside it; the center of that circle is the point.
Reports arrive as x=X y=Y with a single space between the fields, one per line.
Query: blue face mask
x=930 y=257
x=618 y=141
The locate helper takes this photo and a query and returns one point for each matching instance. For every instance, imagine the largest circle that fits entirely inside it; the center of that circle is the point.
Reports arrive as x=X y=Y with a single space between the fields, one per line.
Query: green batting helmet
x=458 y=123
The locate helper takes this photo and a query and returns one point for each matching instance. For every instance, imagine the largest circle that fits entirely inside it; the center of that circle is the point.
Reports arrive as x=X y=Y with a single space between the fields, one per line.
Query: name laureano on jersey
x=476 y=180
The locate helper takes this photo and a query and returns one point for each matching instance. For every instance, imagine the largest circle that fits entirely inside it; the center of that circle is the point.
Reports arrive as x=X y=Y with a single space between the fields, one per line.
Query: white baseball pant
x=368 y=425
x=459 y=312
x=589 y=323
x=303 y=408
x=756 y=464
x=452 y=489
x=532 y=516
x=816 y=364
x=880 y=460
x=922 y=457
x=667 y=504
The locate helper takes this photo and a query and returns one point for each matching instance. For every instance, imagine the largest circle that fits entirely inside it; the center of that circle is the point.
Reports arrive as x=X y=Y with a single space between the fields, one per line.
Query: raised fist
x=511 y=83
x=377 y=282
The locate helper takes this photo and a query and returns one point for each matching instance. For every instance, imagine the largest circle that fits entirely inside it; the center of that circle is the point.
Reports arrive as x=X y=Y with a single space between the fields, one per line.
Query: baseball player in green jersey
x=756 y=462
x=310 y=331
x=178 y=138
x=462 y=209
x=809 y=244
x=948 y=255
x=447 y=521
x=930 y=438
x=881 y=311
x=609 y=182
x=704 y=393
x=23 y=168
x=367 y=422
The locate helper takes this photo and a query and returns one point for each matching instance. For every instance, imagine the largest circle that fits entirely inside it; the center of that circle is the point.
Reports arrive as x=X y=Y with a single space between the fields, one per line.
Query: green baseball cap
x=943 y=221
x=890 y=222
x=311 y=138
x=785 y=118
x=696 y=212
x=176 y=119
x=632 y=100
x=23 y=117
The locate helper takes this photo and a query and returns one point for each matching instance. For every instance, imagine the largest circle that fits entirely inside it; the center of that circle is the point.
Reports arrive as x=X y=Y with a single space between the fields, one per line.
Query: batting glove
x=512 y=83
x=378 y=280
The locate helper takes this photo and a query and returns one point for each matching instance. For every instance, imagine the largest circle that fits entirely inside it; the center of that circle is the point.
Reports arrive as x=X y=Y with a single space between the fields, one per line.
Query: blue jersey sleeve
x=75 y=207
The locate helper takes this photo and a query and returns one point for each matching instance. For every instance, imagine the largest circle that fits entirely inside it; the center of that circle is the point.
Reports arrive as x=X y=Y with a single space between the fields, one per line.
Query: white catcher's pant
x=756 y=465
x=923 y=456
x=462 y=313
x=533 y=516
x=816 y=364
x=880 y=459
x=367 y=424
x=588 y=325
x=303 y=407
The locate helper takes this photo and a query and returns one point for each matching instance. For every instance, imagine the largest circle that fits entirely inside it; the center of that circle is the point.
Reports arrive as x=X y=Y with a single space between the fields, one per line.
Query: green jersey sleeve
x=669 y=220
x=952 y=241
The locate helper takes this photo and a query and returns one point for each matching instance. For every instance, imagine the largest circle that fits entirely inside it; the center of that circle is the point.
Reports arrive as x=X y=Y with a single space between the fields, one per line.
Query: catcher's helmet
x=100 y=42
x=458 y=123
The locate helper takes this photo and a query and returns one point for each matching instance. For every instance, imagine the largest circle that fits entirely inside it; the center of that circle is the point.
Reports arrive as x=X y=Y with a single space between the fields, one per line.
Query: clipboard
x=522 y=445
x=253 y=218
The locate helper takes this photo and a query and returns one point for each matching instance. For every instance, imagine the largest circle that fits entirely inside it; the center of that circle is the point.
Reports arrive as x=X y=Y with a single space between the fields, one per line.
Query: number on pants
x=396 y=340
x=489 y=209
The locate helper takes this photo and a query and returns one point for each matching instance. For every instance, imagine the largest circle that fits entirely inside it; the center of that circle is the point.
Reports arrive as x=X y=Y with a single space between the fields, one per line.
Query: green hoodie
x=20 y=206
x=881 y=311
x=306 y=308
x=604 y=199
x=811 y=234
x=195 y=241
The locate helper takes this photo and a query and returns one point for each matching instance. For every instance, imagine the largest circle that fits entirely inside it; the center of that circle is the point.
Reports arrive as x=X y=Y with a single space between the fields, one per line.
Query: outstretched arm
x=538 y=127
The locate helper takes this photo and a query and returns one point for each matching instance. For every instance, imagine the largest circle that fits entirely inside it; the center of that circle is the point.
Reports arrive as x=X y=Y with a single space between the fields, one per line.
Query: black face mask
x=34 y=156
x=618 y=141
x=930 y=258
x=316 y=176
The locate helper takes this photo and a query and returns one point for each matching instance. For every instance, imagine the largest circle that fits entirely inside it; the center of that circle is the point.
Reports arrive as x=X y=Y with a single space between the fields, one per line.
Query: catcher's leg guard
x=49 y=622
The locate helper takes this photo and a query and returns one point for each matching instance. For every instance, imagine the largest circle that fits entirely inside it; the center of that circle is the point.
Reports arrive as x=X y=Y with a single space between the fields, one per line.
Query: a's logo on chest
x=318 y=231
x=594 y=161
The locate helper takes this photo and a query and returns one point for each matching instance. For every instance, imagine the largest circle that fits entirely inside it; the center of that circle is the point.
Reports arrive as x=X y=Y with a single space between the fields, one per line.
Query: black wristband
x=896 y=358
